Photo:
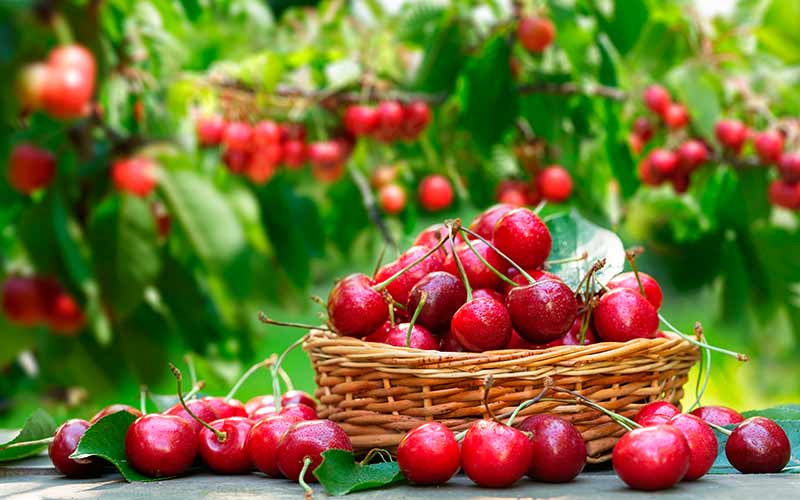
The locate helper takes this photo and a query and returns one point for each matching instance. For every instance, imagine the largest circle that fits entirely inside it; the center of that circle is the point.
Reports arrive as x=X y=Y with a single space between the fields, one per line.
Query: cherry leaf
x=39 y=425
x=340 y=474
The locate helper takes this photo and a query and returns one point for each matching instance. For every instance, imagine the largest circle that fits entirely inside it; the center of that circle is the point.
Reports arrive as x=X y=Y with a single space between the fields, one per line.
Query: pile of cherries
x=489 y=291
x=34 y=300
x=435 y=191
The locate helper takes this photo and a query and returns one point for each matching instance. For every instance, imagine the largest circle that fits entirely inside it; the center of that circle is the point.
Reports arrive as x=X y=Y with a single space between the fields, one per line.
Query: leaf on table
x=792 y=429
x=39 y=425
x=340 y=474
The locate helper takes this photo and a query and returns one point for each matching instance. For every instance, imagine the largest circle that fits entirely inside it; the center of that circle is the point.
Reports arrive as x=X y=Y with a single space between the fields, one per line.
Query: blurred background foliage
x=723 y=254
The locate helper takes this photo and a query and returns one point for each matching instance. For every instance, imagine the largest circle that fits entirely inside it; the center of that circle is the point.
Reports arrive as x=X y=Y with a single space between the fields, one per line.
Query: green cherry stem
x=567 y=260
x=246 y=375
x=486 y=263
x=461 y=272
x=143 y=399
x=388 y=281
x=631 y=255
x=501 y=254
x=622 y=420
x=21 y=444
x=720 y=429
x=538 y=208
x=705 y=368
x=221 y=436
x=275 y=371
x=199 y=386
x=187 y=358
x=423 y=297
x=529 y=402
x=737 y=355
x=302 y=479
x=262 y=317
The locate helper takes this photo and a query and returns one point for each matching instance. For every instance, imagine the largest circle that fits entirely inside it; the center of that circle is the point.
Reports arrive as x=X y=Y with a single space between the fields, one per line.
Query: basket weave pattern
x=378 y=392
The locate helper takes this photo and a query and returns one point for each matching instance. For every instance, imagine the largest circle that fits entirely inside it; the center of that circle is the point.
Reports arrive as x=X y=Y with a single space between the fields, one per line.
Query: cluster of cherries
x=435 y=191
x=488 y=290
x=389 y=121
x=34 y=300
x=552 y=184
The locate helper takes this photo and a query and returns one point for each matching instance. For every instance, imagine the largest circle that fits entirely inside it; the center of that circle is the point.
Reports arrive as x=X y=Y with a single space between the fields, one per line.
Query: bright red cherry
x=294 y=396
x=484 y=222
x=236 y=160
x=542 y=311
x=64 y=315
x=478 y=275
x=651 y=458
x=65 y=442
x=309 y=439
x=522 y=236
x=429 y=454
x=299 y=410
x=115 y=408
x=417 y=118
x=624 y=314
x=535 y=33
x=210 y=130
x=702 y=444
x=420 y=337
x=656 y=413
x=652 y=290
x=200 y=408
x=360 y=120
x=73 y=56
x=573 y=336
x=30 y=168
x=23 y=301
x=325 y=153
x=294 y=153
x=160 y=445
x=769 y=146
x=664 y=162
x=718 y=415
x=237 y=136
x=676 y=116
x=784 y=194
x=554 y=184
x=257 y=402
x=481 y=325
x=495 y=455
x=265 y=133
x=66 y=92
x=225 y=408
x=263 y=163
x=657 y=99
x=391 y=116
x=559 y=452
x=380 y=333
x=262 y=442
x=648 y=174
x=228 y=455
x=400 y=288
x=691 y=154
x=435 y=193
x=135 y=175
x=731 y=134
x=392 y=198
x=758 y=446
x=355 y=308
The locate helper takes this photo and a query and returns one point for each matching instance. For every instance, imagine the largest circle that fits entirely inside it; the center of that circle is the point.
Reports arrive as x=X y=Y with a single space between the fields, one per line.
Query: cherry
x=732 y=134
x=355 y=309
x=30 y=168
x=718 y=415
x=264 y=412
x=559 y=452
x=636 y=143
x=325 y=153
x=542 y=311
x=652 y=290
x=691 y=154
x=676 y=116
x=327 y=173
x=484 y=222
x=225 y=408
x=294 y=153
x=417 y=118
x=573 y=336
x=769 y=146
x=66 y=92
x=521 y=280
x=228 y=454
x=648 y=174
x=159 y=445
x=435 y=193
x=789 y=167
x=64 y=316
x=380 y=333
x=448 y=343
x=263 y=439
x=392 y=198
x=554 y=184
x=624 y=314
x=299 y=410
x=523 y=237
x=495 y=455
x=488 y=293
x=784 y=194
x=651 y=458
x=309 y=439
x=265 y=133
x=263 y=163
x=237 y=136
x=115 y=408
x=517 y=342
x=360 y=120
x=643 y=128
x=444 y=295
x=23 y=301
x=200 y=408
x=258 y=402
x=135 y=175
x=758 y=446
x=516 y=197
x=430 y=236
x=680 y=182
x=535 y=33
x=293 y=396
x=236 y=160
x=481 y=325
x=656 y=413
x=657 y=99
x=73 y=56
x=391 y=116
x=420 y=338
x=65 y=442
x=400 y=288
x=664 y=162
x=210 y=130
x=702 y=444
x=292 y=132
x=429 y=454
x=478 y=275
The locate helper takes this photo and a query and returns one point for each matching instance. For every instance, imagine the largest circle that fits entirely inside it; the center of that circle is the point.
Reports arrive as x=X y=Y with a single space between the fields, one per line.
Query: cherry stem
x=461 y=272
x=539 y=207
x=199 y=386
x=143 y=399
x=528 y=277
x=21 y=444
x=262 y=317
x=246 y=375
x=723 y=430
x=388 y=281
x=62 y=29
x=192 y=373
x=384 y=454
x=547 y=385
x=302 y=479
x=221 y=436
x=422 y=299
x=381 y=255
x=622 y=420
x=567 y=260
x=486 y=263
x=738 y=356
x=589 y=276
x=631 y=255
x=275 y=371
x=704 y=370
x=391 y=314
x=487 y=386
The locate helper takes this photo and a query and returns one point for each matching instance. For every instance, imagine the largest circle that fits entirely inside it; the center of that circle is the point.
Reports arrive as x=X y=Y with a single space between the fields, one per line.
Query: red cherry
x=559 y=452
x=73 y=56
x=380 y=333
x=299 y=410
x=265 y=133
x=651 y=458
x=263 y=163
x=160 y=445
x=652 y=290
x=731 y=134
x=657 y=99
x=23 y=301
x=481 y=325
x=258 y=402
x=294 y=396
x=478 y=275
x=115 y=408
x=656 y=413
x=676 y=116
x=495 y=455
x=789 y=167
x=264 y=412
x=237 y=136
x=517 y=342
x=162 y=218
x=417 y=118
x=554 y=184
x=263 y=439
x=294 y=153
x=201 y=409
x=401 y=286
x=636 y=143
x=769 y=146
x=758 y=446
x=680 y=182
x=135 y=175
x=30 y=85
x=573 y=336
x=648 y=174
x=210 y=130
x=488 y=293
x=360 y=120
x=309 y=439
x=542 y=311
x=664 y=162
x=691 y=154
x=643 y=128
x=229 y=455
x=523 y=237
x=383 y=175
x=65 y=442
x=484 y=222
x=30 y=168
x=420 y=338
x=535 y=33
x=391 y=116
x=702 y=444
x=236 y=160
x=66 y=92
x=718 y=415
x=292 y=132
x=448 y=343
x=325 y=153
x=356 y=309
x=515 y=197
x=444 y=295
x=435 y=193
x=429 y=454
x=623 y=314
x=392 y=198
x=225 y=408
x=64 y=316
x=784 y=194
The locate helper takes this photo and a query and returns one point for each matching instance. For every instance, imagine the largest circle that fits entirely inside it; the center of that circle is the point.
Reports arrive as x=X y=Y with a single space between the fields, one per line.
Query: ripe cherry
x=573 y=336
x=523 y=237
x=23 y=301
x=731 y=134
x=400 y=288
x=718 y=415
x=392 y=198
x=30 y=85
x=429 y=454
x=73 y=56
x=651 y=458
x=664 y=162
x=391 y=116
x=636 y=143
x=355 y=308
x=210 y=130
x=444 y=295
x=309 y=439
x=676 y=116
x=624 y=314
x=360 y=120
x=294 y=396
x=481 y=325
x=517 y=342
x=691 y=154
x=656 y=413
x=488 y=293
x=652 y=290
x=784 y=194
x=325 y=153
x=263 y=163
x=380 y=333
x=535 y=33
x=237 y=136
x=200 y=408
x=299 y=410
x=789 y=167
x=420 y=338
x=758 y=446
x=294 y=153
x=484 y=222
x=30 y=168
x=648 y=174
x=478 y=275
x=702 y=444
x=257 y=402
x=495 y=455
x=769 y=146
x=417 y=118
x=115 y=408
x=135 y=175
x=265 y=133
x=435 y=193
x=236 y=160
x=159 y=445
x=263 y=412
x=643 y=128
x=448 y=343
x=516 y=197
x=554 y=184
x=65 y=442
x=66 y=92
x=263 y=439
x=226 y=453
x=559 y=452
x=225 y=408
x=64 y=315
x=657 y=99
x=542 y=311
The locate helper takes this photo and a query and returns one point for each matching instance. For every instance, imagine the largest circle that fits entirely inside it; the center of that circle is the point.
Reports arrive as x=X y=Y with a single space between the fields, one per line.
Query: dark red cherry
x=309 y=439
x=651 y=458
x=430 y=236
x=159 y=445
x=448 y=343
x=24 y=300
x=401 y=287
x=495 y=455
x=488 y=293
x=731 y=134
x=429 y=454
x=758 y=446
x=65 y=442
x=559 y=452
x=115 y=408
x=236 y=160
x=444 y=295
x=702 y=444
x=294 y=153
x=789 y=167
x=295 y=396
x=522 y=236
x=228 y=455
x=417 y=118
x=420 y=338
x=573 y=336
x=643 y=128
x=478 y=275
x=225 y=408
x=624 y=314
x=263 y=439
x=355 y=308
x=656 y=413
x=535 y=33
x=718 y=415
x=657 y=99
x=30 y=168
x=380 y=333
x=200 y=408
x=517 y=342
x=299 y=410
x=360 y=120
x=481 y=325
x=391 y=116
x=648 y=174
x=484 y=222
x=784 y=194
x=542 y=311
x=769 y=146
x=652 y=290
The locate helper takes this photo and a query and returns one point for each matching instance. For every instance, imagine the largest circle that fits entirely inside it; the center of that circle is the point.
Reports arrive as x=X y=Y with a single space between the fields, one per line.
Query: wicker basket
x=377 y=392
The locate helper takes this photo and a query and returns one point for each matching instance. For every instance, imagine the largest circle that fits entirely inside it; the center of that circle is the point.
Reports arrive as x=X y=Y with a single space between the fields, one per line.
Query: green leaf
x=106 y=439
x=698 y=89
x=39 y=425
x=778 y=33
x=572 y=236
x=792 y=429
x=340 y=474
x=444 y=56
x=780 y=412
x=626 y=23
